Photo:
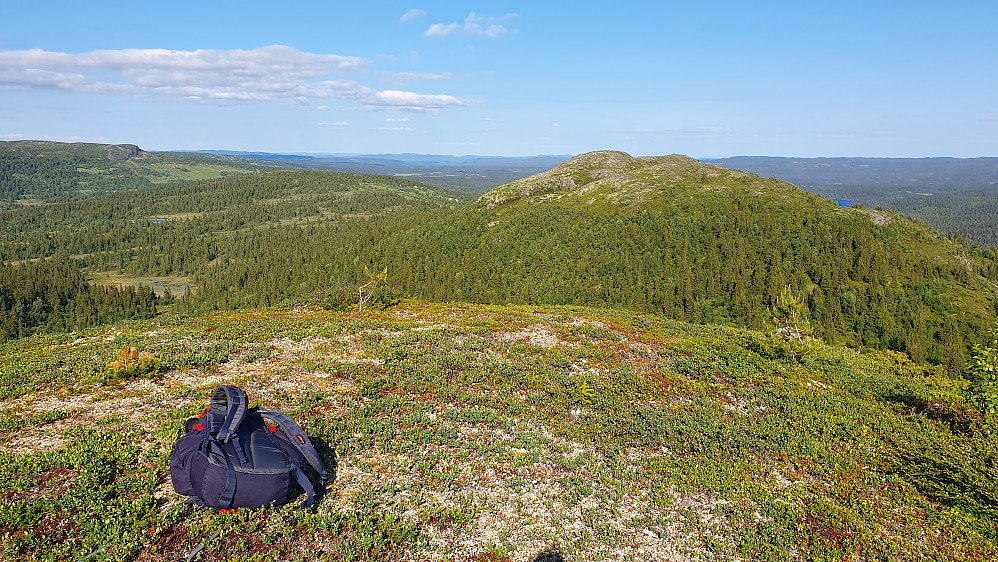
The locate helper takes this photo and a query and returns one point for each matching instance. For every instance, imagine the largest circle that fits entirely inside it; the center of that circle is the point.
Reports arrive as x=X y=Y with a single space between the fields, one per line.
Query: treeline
x=175 y=224
x=876 y=287
x=50 y=172
x=863 y=286
x=970 y=214
x=50 y=296
x=706 y=255
x=53 y=172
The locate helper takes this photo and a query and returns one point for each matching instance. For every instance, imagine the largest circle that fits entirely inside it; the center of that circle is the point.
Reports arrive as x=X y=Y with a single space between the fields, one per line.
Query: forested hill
x=972 y=214
x=663 y=235
x=671 y=236
x=954 y=195
x=33 y=172
x=273 y=232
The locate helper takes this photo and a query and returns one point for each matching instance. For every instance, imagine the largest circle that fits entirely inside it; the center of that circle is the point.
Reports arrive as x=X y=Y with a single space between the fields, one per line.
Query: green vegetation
x=499 y=431
x=672 y=237
x=33 y=172
x=661 y=235
x=484 y=432
x=56 y=297
x=952 y=195
x=970 y=214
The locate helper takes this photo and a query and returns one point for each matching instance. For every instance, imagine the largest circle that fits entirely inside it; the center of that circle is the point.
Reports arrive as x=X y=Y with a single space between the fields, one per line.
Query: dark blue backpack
x=236 y=456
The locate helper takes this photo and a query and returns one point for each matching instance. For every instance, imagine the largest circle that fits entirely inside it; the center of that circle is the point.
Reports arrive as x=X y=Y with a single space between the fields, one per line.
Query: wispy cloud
x=421 y=76
x=11 y=136
x=475 y=24
x=335 y=124
x=442 y=30
x=483 y=26
x=396 y=129
x=268 y=74
x=394 y=120
x=412 y=14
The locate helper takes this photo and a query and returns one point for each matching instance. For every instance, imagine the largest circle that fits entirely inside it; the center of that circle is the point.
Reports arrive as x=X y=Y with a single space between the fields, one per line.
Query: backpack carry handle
x=298 y=438
x=234 y=403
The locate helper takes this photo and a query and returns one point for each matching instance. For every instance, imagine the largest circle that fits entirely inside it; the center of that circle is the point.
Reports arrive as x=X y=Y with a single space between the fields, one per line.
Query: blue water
x=846 y=202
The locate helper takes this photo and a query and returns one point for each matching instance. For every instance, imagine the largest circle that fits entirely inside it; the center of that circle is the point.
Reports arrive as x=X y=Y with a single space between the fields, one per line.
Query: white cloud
x=394 y=120
x=421 y=76
x=268 y=74
x=11 y=136
x=412 y=14
x=336 y=124
x=442 y=30
x=323 y=108
x=396 y=129
x=396 y=99
x=475 y=25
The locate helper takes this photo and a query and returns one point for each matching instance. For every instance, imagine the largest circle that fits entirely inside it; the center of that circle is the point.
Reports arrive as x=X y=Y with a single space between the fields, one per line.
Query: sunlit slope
x=33 y=172
x=495 y=433
x=245 y=241
x=674 y=237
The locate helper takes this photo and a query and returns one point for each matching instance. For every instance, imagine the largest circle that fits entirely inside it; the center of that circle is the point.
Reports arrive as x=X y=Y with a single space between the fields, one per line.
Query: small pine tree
x=366 y=291
x=984 y=376
x=791 y=319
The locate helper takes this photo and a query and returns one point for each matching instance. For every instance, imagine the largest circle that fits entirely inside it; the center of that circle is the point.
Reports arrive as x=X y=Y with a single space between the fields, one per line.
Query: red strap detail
x=300 y=438
x=228 y=510
x=271 y=428
x=198 y=426
x=205 y=412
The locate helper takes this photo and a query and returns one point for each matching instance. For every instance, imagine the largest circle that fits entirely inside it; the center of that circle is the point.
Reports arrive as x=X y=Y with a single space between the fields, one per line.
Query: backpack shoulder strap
x=233 y=403
x=297 y=436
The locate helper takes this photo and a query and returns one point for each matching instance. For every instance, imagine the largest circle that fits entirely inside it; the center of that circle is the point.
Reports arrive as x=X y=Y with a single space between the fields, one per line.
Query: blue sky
x=707 y=79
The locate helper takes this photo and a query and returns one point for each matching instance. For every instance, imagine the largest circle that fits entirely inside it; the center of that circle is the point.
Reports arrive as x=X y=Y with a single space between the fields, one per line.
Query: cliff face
x=123 y=152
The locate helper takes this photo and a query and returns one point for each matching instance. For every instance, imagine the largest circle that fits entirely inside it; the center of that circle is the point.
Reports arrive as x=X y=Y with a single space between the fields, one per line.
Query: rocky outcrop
x=123 y=152
x=617 y=176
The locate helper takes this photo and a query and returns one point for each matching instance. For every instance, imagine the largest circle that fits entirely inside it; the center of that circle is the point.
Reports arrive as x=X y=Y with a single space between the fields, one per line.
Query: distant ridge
x=872 y=177
x=396 y=159
x=470 y=174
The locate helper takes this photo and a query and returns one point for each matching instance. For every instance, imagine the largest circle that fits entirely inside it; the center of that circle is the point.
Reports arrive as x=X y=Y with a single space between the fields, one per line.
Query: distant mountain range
x=470 y=174
x=405 y=158
x=872 y=179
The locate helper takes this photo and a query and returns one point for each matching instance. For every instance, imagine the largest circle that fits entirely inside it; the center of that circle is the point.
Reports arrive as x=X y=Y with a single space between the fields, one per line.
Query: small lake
x=846 y=202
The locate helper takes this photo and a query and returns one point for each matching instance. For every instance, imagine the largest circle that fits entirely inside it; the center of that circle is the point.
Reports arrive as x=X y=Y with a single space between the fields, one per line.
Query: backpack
x=231 y=456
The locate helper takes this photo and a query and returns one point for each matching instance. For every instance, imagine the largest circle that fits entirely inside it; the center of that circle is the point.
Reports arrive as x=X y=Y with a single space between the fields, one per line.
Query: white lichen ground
x=544 y=491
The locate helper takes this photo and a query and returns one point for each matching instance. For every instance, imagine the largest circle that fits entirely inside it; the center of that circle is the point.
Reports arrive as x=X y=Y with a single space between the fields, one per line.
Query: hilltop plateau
x=499 y=433
x=35 y=172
